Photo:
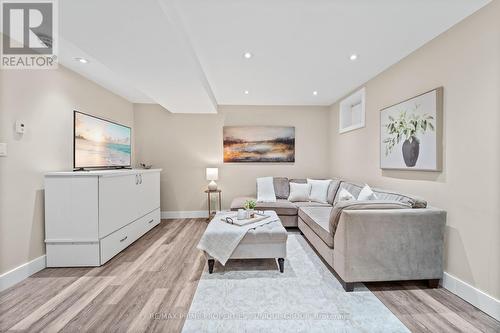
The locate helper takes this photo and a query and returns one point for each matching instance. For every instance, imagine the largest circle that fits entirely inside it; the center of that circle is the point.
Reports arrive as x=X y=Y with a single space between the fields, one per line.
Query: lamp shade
x=212 y=173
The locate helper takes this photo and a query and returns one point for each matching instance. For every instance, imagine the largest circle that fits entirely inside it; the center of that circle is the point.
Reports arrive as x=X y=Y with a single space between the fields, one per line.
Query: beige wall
x=44 y=100
x=466 y=62
x=184 y=145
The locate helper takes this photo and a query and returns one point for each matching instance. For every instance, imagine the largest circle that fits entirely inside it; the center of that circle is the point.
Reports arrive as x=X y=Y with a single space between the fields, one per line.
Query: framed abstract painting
x=411 y=133
x=258 y=144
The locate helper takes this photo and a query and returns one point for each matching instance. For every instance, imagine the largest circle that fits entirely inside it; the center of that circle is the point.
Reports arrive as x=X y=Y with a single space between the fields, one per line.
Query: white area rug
x=253 y=296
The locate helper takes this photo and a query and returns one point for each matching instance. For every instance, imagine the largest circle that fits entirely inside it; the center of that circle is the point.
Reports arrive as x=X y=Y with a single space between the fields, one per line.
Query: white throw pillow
x=299 y=192
x=265 y=190
x=345 y=195
x=319 y=189
x=367 y=194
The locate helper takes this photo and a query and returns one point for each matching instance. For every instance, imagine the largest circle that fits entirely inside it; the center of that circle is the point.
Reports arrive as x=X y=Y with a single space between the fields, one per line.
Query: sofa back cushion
x=332 y=190
x=414 y=202
x=281 y=187
x=298 y=180
x=382 y=195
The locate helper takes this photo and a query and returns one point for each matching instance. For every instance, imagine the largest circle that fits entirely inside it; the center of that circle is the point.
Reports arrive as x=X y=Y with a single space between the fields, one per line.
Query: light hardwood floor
x=423 y=309
x=150 y=285
x=156 y=275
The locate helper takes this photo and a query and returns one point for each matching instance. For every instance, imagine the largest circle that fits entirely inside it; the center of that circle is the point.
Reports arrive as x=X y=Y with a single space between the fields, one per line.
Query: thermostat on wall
x=20 y=128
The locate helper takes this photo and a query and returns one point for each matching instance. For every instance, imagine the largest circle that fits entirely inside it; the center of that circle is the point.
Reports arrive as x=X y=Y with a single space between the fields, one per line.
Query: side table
x=209 y=193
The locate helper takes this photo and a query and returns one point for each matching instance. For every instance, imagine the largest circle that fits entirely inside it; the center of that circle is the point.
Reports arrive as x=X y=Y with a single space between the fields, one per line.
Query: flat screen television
x=99 y=143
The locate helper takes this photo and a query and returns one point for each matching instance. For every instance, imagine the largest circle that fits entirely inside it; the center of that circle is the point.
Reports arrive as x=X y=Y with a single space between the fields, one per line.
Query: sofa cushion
x=281 y=187
x=311 y=204
x=281 y=206
x=317 y=218
x=382 y=195
x=339 y=207
x=239 y=202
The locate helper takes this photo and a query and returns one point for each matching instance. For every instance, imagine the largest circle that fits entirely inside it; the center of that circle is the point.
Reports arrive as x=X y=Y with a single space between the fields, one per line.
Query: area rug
x=253 y=296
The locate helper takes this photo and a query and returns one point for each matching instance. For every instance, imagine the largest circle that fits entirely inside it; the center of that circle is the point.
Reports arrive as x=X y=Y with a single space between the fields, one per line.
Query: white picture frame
x=411 y=133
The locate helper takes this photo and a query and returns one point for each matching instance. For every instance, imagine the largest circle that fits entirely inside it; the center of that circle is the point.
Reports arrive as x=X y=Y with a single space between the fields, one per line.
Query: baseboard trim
x=474 y=296
x=186 y=214
x=16 y=275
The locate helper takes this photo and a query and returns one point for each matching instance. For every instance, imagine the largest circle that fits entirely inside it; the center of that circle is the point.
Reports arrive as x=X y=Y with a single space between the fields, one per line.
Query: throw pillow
x=344 y=195
x=319 y=190
x=366 y=194
x=265 y=190
x=299 y=192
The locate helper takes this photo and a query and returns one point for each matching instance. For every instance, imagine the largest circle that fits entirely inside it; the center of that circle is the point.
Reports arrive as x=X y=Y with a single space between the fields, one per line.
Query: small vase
x=250 y=213
x=411 y=151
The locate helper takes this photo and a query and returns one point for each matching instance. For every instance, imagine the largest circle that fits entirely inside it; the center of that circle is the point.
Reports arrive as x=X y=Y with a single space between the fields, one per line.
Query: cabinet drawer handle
x=136 y=179
x=123 y=239
x=151 y=221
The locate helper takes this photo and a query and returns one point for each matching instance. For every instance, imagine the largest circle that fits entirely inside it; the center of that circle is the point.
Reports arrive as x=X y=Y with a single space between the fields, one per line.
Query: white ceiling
x=187 y=55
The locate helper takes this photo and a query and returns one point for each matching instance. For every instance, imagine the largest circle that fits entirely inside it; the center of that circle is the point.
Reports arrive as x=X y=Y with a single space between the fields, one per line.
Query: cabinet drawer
x=72 y=254
x=117 y=241
x=120 y=239
x=148 y=222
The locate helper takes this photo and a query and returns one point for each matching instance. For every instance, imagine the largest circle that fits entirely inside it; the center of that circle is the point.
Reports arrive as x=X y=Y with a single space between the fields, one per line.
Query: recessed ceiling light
x=315 y=93
x=82 y=60
x=246 y=92
x=247 y=55
x=353 y=57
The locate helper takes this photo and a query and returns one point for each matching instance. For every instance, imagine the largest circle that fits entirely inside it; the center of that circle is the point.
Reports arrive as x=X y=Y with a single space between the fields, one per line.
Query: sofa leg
x=211 y=263
x=281 y=263
x=348 y=286
x=433 y=283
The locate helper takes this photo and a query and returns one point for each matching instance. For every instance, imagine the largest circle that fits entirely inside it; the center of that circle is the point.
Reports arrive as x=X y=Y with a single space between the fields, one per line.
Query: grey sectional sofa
x=396 y=237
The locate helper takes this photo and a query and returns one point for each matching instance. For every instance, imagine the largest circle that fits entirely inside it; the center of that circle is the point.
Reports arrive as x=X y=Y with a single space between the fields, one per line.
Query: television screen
x=99 y=143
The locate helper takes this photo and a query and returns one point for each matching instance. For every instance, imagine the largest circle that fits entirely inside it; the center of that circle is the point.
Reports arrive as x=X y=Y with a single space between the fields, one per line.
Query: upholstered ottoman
x=267 y=241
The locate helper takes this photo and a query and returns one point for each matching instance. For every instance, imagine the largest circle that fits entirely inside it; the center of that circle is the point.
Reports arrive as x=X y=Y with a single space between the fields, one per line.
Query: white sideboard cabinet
x=90 y=216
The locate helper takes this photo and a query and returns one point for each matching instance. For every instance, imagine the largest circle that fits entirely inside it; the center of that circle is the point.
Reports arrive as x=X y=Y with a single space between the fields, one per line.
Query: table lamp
x=212 y=175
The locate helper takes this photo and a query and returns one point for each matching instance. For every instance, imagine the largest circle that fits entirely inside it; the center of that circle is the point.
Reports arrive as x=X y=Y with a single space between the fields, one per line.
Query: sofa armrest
x=339 y=207
x=389 y=244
